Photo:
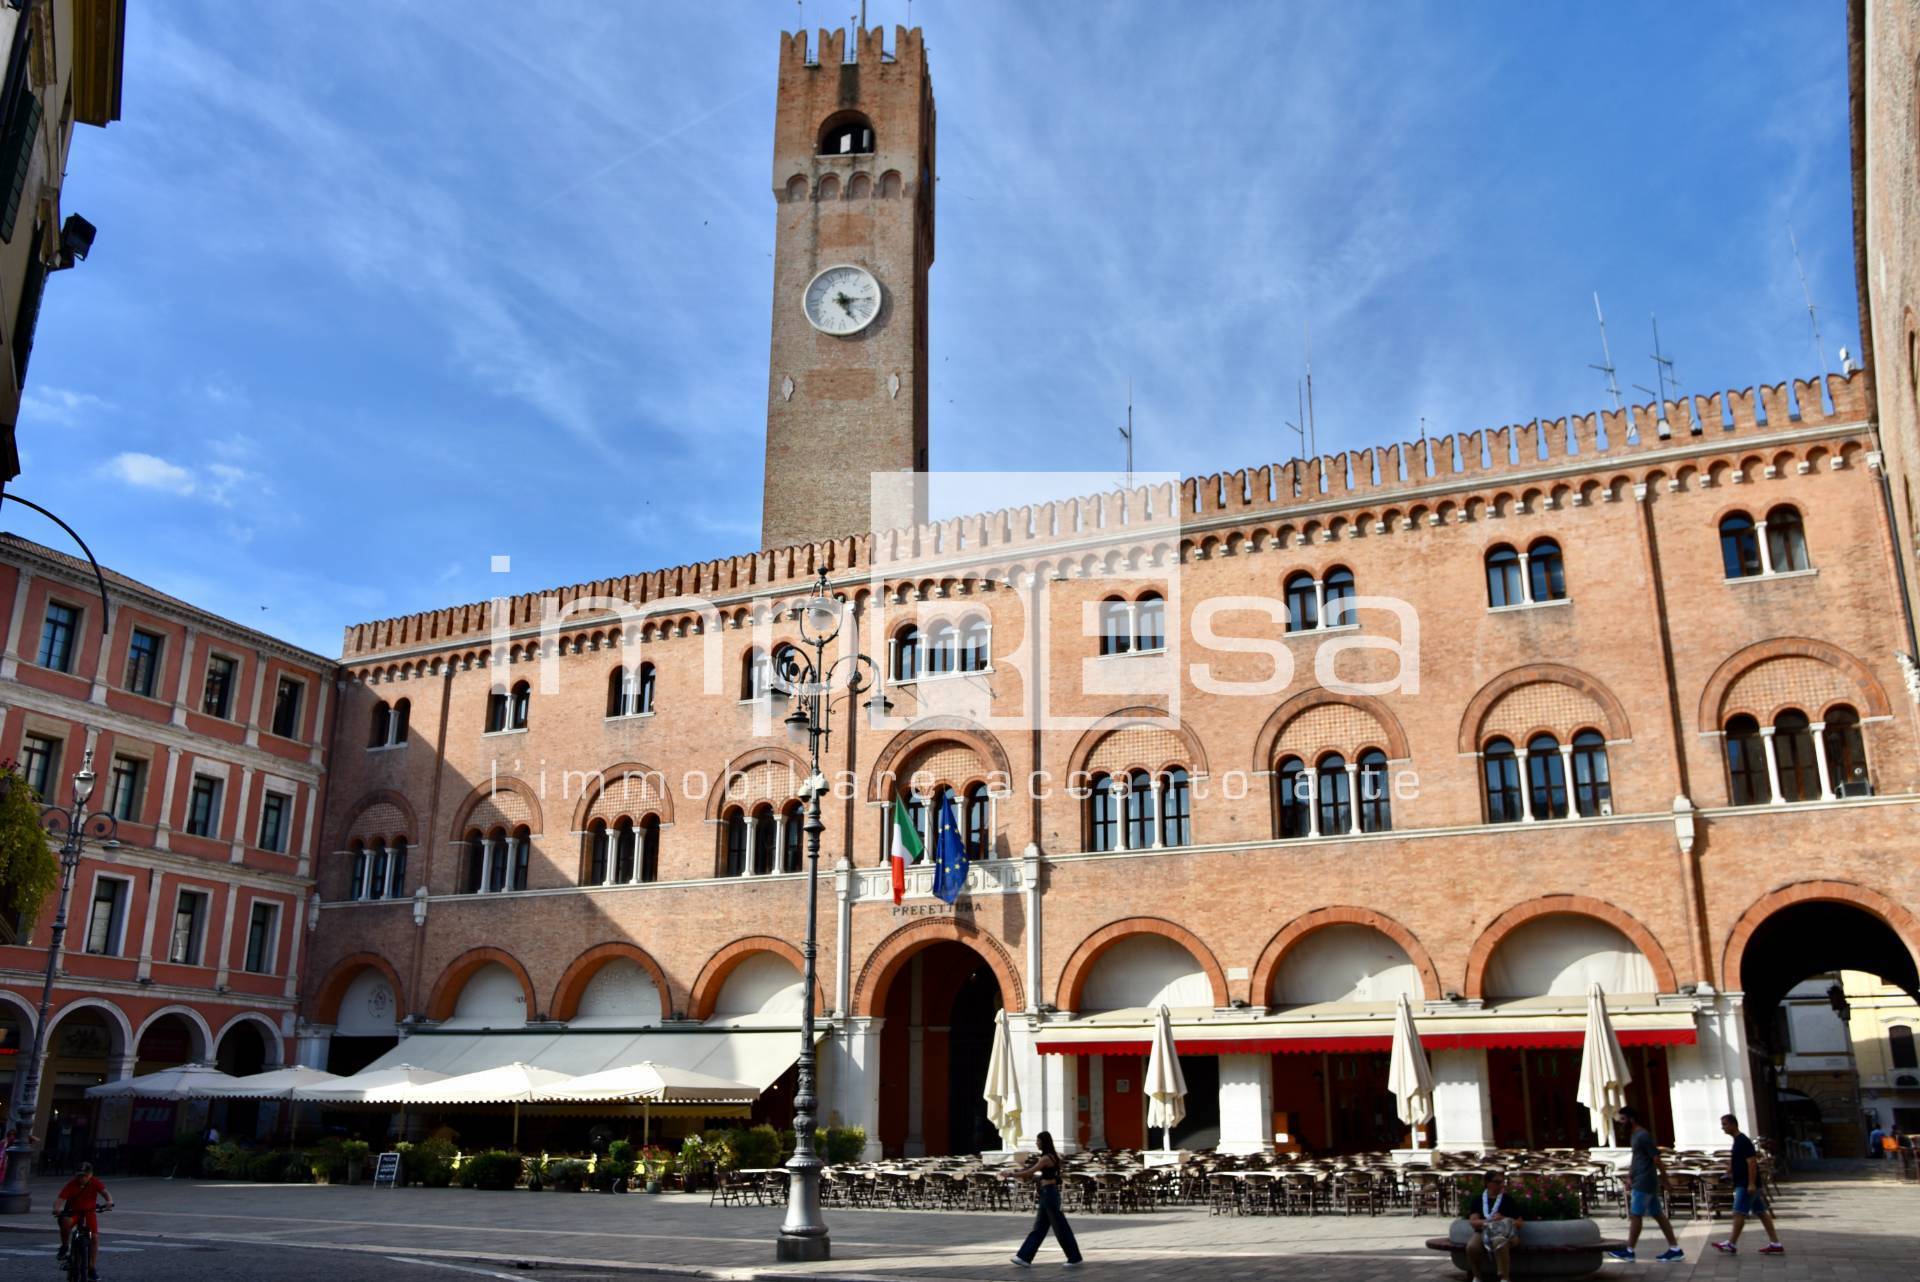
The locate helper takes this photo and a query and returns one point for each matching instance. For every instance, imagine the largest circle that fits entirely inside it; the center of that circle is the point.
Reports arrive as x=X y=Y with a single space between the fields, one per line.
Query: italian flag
x=906 y=847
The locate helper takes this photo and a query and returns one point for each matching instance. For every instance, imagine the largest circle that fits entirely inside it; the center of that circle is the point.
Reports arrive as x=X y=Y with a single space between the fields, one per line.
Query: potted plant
x=620 y=1158
x=355 y=1152
x=654 y=1164
x=1553 y=1218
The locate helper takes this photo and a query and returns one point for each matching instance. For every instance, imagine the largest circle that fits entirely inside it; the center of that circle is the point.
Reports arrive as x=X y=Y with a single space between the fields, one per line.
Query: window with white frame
x=126 y=787
x=1325 y=602
x=187 y=941
x=217 y=699
x=203 y=806
x=59 y=637
x=263 y=931
x=40 y=764
x=630 y=691
x=1774 y=544
x=389 y=723
x=107 y=915
x=143 y=661
x=276 y=817
x=286 y=707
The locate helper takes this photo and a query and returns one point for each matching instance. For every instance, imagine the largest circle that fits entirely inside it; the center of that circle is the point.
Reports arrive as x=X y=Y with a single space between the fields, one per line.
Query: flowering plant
x=1544 y=1197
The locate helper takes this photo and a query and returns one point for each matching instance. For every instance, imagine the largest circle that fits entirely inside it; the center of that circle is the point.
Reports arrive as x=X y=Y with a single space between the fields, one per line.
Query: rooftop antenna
x=1313 y=440
x=1606 y=354
x=1662 y=375
x=1813 y=313
x=1126 y=433
x=1299 y=429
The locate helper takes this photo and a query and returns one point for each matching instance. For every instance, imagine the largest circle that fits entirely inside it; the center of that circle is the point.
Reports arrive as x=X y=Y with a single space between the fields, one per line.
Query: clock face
x=842 y=300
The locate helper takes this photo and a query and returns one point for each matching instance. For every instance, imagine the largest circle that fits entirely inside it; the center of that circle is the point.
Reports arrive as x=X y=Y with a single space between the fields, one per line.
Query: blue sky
x=374 y=300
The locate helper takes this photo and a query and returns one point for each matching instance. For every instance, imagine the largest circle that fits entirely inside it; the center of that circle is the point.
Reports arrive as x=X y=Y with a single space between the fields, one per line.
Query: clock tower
x=853 y=174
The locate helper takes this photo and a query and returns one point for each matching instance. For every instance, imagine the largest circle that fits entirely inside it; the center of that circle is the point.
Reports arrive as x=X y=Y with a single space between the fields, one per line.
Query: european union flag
x=949 y=853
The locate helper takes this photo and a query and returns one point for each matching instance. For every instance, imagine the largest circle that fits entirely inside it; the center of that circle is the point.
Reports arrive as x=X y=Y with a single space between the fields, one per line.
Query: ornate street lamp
x=73 y=826
x=810 y=683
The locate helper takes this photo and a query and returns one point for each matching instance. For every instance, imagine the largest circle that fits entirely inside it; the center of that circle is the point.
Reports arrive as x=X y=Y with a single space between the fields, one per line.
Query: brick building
x=183 y=943
x=1482 y=721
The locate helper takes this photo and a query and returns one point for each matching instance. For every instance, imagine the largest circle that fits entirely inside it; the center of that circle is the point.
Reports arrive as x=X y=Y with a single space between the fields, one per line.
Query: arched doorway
x=84 y=1045
x=1830 y=985
x=939 y=1006
x=1136 y=974
x=242 y=1051
x=366 y=1026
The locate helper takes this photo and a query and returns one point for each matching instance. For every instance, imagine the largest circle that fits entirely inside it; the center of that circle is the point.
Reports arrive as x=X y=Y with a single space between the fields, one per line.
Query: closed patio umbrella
x=1604 y=1075
x=1410 y=1077
x=1166 y=1084
x=1002 y=1092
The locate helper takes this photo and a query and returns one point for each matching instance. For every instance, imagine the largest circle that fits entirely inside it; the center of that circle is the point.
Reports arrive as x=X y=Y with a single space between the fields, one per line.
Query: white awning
x=281 y=1083
x=650 y=1083
x=507 y=1084
x=355 y=1089
x=754 y=1056
x=188 y=1081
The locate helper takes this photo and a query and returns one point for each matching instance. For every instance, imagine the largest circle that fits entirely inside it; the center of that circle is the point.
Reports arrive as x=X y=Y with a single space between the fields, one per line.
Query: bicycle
x=80 y=1245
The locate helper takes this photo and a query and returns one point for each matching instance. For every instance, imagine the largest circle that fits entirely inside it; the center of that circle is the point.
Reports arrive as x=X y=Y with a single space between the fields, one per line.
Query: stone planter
x=1558 y=1263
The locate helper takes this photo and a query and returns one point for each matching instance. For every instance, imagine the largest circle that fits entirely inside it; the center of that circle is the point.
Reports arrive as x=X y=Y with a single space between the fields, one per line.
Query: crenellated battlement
x=826 y=48
x=1607 y=439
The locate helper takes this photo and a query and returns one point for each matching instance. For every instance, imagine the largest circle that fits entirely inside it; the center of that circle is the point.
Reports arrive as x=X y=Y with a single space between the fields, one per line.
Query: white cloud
x=59 y=405
x=150 y=472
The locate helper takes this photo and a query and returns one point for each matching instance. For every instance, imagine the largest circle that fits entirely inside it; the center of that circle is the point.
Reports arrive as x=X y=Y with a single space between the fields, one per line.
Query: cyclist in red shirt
x=79 y=1198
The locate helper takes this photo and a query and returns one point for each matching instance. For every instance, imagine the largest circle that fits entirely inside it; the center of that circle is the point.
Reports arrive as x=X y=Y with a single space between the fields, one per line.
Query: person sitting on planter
x=1495 y=1216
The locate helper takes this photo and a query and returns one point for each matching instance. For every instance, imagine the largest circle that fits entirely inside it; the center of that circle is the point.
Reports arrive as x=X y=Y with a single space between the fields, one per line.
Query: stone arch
x=1582 y=905
x=717 y=796
x=446 y=989
x=470 y=805
x=270 y=1034
x=326 y=1001
x=1613 y=714
x=955 y=729
x=207 y=1041
x=1902 y=921
x=1127 y=717
x=713 y=975
x=1306 y=924
x=1268 y=740
x=116 y=1020
x=590 y=797
x=885 y=961
x=384 y=796
x=573 y=983
x=29 y=1018
x=1873 y=698
x=1073 y=977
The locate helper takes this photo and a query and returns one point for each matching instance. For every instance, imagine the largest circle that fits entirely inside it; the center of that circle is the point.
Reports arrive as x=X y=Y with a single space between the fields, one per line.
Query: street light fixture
x=73 y=825
x=811 y=683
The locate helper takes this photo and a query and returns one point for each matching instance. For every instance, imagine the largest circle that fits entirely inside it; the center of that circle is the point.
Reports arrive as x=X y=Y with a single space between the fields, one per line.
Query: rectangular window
x=107 y=917
x=203 y=807
x=22 y=125
x=260 y=932
x=57 y=635
x=143 y=662
x=286 y=708
x=189 y=928
x=218 y=701
x=125 y=787
x=275 y=809
x=40 y=764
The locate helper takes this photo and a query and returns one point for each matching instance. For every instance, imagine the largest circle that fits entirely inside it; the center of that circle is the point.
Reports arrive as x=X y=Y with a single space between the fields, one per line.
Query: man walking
x=1643 y=1191
x=1745 y=1173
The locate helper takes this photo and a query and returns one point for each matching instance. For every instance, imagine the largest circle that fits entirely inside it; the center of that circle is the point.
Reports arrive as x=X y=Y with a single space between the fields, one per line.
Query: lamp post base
x=791 y=1248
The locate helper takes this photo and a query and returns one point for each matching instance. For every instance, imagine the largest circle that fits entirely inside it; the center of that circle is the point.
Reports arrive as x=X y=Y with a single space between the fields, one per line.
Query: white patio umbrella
x=1604 y=1075
x=649 y=1083
x=354 y=1089
x=1002 y=1092
x=281 y=1083
x=1410 y=1077
x=187 y=1081
x=1166 y=1084
x=514 y=1084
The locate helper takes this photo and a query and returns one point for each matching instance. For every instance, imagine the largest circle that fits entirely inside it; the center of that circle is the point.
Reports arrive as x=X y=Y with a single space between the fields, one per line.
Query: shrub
x=355 y=1152
x=756 y=1147
x=1545 y=1197
x=428 y=1163
x=225 y=1160
x=845 y=1144
x=567 y=1174
x=328 y=1160
x=491 y=1170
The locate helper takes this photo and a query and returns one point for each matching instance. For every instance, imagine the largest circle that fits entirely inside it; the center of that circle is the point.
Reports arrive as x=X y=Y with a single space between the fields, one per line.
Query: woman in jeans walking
x=1044 y=1169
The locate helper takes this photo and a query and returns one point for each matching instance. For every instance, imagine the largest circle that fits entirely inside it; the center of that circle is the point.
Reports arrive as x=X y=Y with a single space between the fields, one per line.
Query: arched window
x=1746 y=763
x=1846 y=753
x=1500 y=778
x=1336 y=795
x=979 y=822
x=1786 y=540
x=917 y=816
x=382 y=726
x=943 y=644
x=793 y=837
x=1546 y=777
x=377 y=870
x=522 y=700
x=1303 y=603
x=402 y=712
x=1150 y=623
x=650 y=848
x=623 y=852
x=1793 y=753
x=643 y=690
x=522 y=850
x=499 y=858
x=736 y=865
x=848 y=136
x=1900 y=1046
x=906 y=654
x=1376 y=807
x=1176 y=808
x=594 y=853
x=1546 y=572
x=474 y=878
x=397 y=869
x=1294 y=798
x=1116 y=626
x=1103 y=815
x=753 y=674
x=357 y=889
x=1140 y=812
x=764 y=849
x=496 y=711
x=1739 y=546
x=785 y=671
x=1592 y=785
x=1504 y=585
x=619 y=692
x=976 y=645
x=1338 y=591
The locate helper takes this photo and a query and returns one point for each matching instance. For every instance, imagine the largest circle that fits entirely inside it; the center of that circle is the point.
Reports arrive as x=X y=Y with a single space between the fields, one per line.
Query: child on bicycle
x=77 y=1200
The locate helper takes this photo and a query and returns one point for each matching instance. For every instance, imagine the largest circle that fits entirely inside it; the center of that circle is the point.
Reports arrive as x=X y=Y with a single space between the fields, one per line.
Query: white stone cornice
x=163 y=733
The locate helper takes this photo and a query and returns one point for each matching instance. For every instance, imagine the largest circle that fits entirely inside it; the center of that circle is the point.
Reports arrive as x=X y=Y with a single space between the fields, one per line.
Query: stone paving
x=1861 y=1229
